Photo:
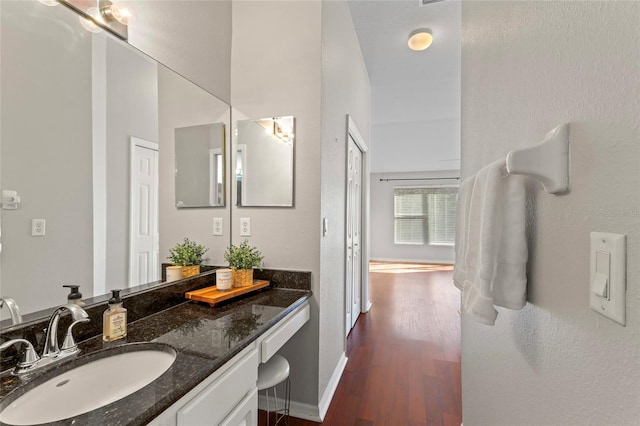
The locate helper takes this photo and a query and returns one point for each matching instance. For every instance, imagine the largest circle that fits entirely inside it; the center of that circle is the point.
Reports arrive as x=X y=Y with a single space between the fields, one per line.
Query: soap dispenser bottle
x=74 y=296
x=114 y=319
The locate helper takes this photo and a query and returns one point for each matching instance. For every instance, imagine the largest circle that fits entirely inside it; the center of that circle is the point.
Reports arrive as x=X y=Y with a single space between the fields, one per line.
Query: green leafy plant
x=243 y=256
x=187 y=253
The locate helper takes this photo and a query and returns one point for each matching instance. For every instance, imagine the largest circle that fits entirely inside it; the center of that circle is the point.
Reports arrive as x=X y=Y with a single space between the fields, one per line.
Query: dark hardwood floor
x=404 y=355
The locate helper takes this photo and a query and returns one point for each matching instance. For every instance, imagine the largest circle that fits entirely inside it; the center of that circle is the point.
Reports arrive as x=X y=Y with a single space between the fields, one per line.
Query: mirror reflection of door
x=241 y=160
x=216 y=177
x=144 y=251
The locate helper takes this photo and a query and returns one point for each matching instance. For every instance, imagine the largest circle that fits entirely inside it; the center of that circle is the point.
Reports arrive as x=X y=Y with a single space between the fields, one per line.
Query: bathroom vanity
x=213 y=378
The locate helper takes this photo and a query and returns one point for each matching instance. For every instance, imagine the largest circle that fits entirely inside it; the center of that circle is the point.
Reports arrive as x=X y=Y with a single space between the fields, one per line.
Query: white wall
x=528 y=66
x=382 y=222
x=411 y=132
x=131 y=110
x=275 y=69
x=305 y=63
x=345 y=90
x=46 y=154
x=183 y=104
x=192 y=37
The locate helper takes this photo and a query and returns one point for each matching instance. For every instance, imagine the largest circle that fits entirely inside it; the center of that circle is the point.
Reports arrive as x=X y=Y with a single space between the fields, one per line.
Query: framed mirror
x=200 y=166
x=264 y=166
x=88 y=144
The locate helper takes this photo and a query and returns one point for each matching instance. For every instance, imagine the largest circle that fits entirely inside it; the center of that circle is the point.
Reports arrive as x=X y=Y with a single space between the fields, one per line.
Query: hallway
x=404 y=355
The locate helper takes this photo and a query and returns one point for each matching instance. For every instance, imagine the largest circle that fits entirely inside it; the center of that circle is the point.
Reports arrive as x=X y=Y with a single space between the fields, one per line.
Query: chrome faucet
x=51 y=342
x=51 y=353
x=14 y=310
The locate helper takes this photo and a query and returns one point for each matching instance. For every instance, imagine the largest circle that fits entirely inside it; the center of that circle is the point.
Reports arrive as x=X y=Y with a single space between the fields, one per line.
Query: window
x=425 y=215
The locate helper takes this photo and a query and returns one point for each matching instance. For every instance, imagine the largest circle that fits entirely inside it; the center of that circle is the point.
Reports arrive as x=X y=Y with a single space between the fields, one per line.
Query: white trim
x=368 y=307
x=99 y=160
x=330 y=390
x=304 y=411
x=439 y=262
x=352 y=130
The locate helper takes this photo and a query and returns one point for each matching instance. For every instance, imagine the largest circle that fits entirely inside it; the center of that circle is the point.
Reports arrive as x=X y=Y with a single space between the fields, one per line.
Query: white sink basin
x=102 y=378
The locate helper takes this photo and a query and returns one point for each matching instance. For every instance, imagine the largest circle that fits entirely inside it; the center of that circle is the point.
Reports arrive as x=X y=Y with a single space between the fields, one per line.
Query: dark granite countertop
x=204 y=338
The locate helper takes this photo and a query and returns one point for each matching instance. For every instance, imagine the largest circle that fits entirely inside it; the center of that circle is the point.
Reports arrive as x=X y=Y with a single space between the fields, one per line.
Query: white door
x=354 y=233
x=216 y=184
x=144 y=250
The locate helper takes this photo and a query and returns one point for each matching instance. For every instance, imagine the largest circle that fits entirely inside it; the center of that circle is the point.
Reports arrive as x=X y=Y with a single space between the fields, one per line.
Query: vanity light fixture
x=104 y=14
x=420 y=39
x=116 y=12
x=282 y=131
x=91 y=24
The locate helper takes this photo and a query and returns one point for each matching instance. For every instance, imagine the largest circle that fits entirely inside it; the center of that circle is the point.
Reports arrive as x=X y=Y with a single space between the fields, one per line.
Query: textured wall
x=192 y=37
x=275 y=67
x=345 y=90
x=183 y=104
x=528 y=66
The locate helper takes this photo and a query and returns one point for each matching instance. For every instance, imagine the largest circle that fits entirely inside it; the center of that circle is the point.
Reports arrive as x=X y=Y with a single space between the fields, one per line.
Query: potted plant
x=187 y=254
x=242 y=259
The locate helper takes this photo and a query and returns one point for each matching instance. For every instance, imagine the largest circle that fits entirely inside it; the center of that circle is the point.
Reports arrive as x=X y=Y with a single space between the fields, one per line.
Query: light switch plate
x=217 y=226
x=612 y=305
x=245 y=227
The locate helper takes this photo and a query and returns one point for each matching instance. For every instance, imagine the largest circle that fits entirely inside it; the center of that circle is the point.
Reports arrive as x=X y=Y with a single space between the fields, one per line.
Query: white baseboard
x=439 y=262
x=327 y=396
x=296 y=409
x=368 y=307
x=307 y=411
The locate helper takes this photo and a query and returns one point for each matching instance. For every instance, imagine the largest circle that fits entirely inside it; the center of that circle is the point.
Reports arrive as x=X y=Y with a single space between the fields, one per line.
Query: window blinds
x=425 y=215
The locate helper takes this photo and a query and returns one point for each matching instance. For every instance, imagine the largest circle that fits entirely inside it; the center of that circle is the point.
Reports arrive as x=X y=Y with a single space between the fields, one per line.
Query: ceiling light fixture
x=420 y=39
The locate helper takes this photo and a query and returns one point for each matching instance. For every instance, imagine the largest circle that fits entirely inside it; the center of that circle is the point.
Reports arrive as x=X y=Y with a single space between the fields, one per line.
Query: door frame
x=365 y=303
x=134 y=141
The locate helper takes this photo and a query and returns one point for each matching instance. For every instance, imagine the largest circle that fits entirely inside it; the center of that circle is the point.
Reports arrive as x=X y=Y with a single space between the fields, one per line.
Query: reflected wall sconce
x=420 y=39
x=105 y=14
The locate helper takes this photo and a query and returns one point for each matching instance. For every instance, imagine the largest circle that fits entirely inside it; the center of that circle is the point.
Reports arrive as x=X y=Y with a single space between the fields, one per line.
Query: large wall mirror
x=88 y=142
x=264 y=162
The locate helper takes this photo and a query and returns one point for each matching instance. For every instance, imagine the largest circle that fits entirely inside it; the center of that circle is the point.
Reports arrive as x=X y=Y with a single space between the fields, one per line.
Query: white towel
x=462 y=228
x=495 y=257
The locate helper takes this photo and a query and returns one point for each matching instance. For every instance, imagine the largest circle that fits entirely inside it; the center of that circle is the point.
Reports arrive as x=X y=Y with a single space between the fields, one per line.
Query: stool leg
x=266 y=392
x=287 y=401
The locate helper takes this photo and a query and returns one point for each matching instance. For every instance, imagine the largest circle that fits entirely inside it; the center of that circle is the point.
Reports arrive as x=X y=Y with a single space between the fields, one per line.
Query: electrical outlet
x=37 y=227
x=245 y=227
x=217 y=226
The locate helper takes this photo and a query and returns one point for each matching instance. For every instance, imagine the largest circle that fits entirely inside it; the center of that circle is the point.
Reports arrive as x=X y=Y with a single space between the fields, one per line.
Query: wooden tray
x=212 y=296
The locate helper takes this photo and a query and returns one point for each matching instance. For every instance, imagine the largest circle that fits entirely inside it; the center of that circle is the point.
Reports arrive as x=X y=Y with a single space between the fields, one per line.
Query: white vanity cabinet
x=219 y=396
x=229 y=396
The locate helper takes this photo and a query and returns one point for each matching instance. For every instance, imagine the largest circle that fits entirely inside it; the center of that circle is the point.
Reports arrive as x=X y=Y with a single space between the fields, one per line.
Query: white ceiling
x=415 y=95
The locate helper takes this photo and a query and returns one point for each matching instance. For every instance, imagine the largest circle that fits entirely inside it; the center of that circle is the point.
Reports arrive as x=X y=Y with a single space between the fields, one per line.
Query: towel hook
x=547 y=162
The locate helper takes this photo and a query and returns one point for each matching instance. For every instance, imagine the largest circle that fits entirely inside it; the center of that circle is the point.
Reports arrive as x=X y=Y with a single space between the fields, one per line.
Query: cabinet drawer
x=246 y=413
x=216 y=401
x=283 y=332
